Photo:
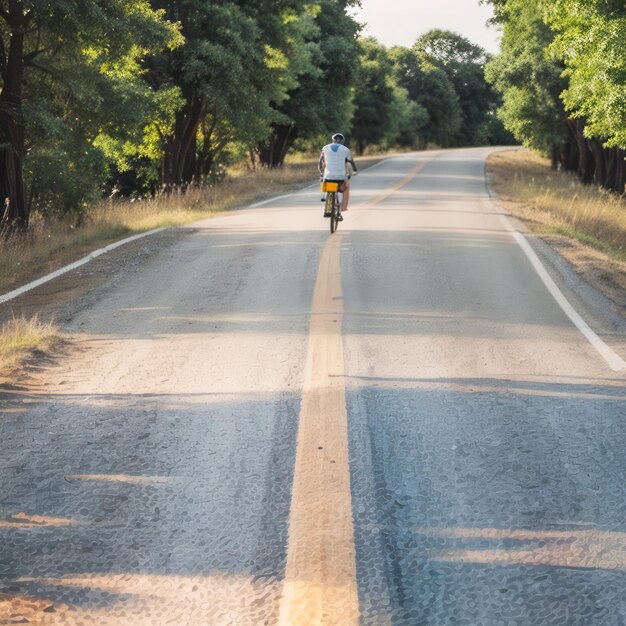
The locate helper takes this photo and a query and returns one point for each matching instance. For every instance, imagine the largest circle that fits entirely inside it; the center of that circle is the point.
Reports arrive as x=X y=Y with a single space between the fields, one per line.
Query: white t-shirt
x=335 y=157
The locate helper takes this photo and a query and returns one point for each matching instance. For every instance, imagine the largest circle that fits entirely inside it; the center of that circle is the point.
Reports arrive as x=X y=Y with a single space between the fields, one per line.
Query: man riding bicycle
x=336 y=163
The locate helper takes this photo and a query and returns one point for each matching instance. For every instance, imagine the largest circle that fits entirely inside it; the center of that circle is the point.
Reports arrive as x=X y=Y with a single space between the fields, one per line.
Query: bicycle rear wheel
x=328 y=206
x=334 y=216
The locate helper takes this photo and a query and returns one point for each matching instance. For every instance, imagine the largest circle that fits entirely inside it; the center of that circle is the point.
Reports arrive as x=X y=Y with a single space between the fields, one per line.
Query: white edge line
x=258 y=205
x=72 y=266
x=615 y=362
x=11 y=295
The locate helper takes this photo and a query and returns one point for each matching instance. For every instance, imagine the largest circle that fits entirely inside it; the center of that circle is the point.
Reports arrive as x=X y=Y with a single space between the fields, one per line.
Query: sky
x=401 y=22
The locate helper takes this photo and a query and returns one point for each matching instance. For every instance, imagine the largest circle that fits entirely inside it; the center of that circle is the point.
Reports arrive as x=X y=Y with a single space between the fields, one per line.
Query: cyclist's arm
x=321 y=166
x=350 y=160
x=351 y=168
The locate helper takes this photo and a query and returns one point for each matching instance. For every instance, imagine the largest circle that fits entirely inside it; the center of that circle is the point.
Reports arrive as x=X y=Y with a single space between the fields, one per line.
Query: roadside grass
x=49 y=244
x=557 y=203
x=21 y=339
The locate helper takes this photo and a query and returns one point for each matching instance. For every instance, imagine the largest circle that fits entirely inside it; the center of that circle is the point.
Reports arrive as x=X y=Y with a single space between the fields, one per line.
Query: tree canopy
x=464 y=65
x=562 y=76
x=70 y=70
x=322 y=100
x=110 y=97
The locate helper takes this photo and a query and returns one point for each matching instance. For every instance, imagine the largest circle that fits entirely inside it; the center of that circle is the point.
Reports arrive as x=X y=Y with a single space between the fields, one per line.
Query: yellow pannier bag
x=328 y=186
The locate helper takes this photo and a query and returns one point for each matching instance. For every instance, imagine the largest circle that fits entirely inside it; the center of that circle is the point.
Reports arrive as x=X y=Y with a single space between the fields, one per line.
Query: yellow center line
x=320 y=585
x=395 y=187
x=320 y=582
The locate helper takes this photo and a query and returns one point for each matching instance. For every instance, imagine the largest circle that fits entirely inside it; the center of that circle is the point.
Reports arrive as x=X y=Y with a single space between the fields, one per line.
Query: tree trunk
x=273 y=153
x=620 y=172
x=204 y=164
x=554 y=160
x=611 y=169
x=599 y=155
x=13 y=205
x=616 y=170
x=586 y=162
x=570 y=158
x=212 y=146
x=178 y=166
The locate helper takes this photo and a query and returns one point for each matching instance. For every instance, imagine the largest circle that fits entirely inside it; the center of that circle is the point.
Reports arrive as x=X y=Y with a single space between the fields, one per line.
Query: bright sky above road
x=401 y=22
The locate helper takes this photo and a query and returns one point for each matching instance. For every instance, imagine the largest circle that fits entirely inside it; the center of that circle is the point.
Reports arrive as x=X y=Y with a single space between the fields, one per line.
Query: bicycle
x=332 y=208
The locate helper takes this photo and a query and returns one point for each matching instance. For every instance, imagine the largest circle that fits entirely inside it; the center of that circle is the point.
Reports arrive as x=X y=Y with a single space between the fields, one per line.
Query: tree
x=407 y=119
x=374 y=96
x=322 y=101
x=103 y=38
x=429 y=86
x=384 y=113
x=590 y=38
x=231 y=69
x=531 y=83
x=464 y=65
x=562 y=74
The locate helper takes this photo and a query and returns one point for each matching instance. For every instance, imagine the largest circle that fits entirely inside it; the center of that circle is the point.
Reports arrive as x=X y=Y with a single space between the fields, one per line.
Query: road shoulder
x=591 y=277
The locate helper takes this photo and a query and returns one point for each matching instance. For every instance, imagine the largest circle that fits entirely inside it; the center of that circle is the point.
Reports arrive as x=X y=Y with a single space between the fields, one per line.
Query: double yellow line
x=320 y=585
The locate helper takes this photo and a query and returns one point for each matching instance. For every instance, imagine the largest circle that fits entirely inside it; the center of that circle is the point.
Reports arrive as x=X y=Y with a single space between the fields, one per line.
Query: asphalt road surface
x=266 y=424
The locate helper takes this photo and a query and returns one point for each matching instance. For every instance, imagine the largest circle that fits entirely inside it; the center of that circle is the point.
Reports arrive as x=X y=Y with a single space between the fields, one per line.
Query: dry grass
x=49 y=245
x=557 y=203
x=21 y=339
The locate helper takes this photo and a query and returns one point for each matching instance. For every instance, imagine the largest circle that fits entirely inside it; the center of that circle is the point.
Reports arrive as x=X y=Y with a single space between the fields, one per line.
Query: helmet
x=338 y=137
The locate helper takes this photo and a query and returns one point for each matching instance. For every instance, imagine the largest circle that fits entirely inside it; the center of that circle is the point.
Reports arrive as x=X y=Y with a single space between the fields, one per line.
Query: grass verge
x=23 y=339
x=557 y=203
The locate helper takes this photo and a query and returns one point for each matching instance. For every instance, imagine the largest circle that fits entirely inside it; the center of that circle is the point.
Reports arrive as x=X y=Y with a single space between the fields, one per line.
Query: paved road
x=264 y=424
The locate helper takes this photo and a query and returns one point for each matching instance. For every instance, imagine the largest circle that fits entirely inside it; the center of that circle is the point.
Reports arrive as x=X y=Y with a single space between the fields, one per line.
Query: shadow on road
x=117 y=505
x=489 y=501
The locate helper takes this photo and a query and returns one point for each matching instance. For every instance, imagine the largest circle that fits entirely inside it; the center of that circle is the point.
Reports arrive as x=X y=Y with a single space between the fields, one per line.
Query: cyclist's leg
x=346 y=195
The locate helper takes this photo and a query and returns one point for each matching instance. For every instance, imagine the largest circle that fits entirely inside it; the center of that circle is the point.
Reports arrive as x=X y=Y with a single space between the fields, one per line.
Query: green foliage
x=82 y=81
x=375 y=97
x=562 y=73
x=530 y=82
x=429 y=86
x=464 y=65
x=408 y=118
x=231 y=78
x=451 y=51
x=434 y=93
x=322 y=102
x=385 y=115
x=591 y=41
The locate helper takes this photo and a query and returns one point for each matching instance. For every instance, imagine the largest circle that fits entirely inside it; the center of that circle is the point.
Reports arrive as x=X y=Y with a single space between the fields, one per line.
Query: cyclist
x=336 y=163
